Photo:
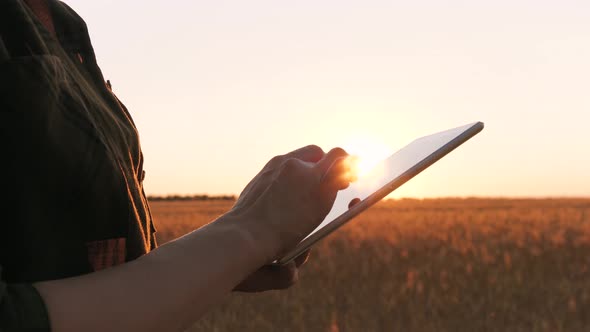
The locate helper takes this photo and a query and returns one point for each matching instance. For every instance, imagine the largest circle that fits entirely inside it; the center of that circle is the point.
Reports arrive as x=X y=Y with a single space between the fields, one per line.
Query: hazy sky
x=218 y=87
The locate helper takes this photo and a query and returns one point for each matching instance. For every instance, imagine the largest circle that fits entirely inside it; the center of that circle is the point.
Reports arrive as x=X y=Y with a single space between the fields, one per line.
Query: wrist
x=257 y=238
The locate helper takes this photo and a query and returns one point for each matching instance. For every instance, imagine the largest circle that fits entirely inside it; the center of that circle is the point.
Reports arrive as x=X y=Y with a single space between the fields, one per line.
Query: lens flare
x=366 y=154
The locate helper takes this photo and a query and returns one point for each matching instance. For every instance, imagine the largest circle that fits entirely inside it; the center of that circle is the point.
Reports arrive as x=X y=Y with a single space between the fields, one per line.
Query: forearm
x=165 y=290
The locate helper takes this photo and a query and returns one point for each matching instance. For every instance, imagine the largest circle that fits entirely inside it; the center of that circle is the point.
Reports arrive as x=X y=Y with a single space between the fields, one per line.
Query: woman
x=77 y=248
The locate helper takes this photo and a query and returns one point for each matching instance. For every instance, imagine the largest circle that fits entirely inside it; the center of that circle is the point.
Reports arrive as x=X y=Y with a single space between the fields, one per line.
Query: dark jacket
x=71 y=169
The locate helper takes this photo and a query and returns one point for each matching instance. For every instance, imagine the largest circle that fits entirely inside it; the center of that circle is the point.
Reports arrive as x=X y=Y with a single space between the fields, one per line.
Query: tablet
x=384 y=178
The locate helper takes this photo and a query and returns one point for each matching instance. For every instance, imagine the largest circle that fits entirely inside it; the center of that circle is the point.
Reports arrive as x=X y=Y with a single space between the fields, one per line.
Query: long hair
x=76 y=79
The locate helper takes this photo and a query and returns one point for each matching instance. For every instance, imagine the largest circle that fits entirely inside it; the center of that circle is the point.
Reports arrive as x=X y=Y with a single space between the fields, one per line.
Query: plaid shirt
x=69 y=207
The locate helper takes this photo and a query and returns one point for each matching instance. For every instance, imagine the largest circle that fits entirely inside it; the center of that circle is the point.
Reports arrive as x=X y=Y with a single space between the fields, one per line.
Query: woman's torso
x=72 y=168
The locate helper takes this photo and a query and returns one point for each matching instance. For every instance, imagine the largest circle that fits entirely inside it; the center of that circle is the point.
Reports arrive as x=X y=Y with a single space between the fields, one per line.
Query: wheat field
x=423 y=265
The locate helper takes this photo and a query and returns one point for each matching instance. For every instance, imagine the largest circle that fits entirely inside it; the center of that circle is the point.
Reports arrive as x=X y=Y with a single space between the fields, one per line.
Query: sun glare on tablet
x=368 y=152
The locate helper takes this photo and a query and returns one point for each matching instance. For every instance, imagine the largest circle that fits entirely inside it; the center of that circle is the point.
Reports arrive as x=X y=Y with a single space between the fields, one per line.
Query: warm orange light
x=366 y=164
x=367 y=153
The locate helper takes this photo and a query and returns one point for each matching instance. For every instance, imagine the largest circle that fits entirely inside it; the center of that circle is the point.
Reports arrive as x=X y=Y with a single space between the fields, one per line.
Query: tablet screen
x=397 y=165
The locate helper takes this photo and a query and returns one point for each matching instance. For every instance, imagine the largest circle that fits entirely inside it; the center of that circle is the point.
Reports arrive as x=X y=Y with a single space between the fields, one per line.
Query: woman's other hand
x=273 y=277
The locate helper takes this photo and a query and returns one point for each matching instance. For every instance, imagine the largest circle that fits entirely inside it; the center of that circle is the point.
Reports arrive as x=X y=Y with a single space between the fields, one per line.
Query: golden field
x=423 y=265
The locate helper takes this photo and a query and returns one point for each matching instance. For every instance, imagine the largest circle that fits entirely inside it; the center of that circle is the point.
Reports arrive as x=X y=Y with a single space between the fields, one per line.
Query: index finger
x=324 y=165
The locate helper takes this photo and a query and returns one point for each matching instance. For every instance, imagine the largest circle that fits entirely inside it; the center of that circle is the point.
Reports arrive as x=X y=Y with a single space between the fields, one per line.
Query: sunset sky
x=218 y=87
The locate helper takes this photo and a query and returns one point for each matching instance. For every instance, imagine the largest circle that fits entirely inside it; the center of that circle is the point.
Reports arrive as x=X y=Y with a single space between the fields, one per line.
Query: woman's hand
x=273 y=277
x=290 y=197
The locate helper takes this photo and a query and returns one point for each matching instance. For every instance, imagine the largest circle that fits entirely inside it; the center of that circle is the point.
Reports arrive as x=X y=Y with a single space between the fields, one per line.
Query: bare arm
x=165 y=290
x=174 y=285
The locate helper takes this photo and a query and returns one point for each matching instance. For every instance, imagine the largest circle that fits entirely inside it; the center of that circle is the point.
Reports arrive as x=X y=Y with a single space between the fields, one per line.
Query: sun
x=367 y=152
